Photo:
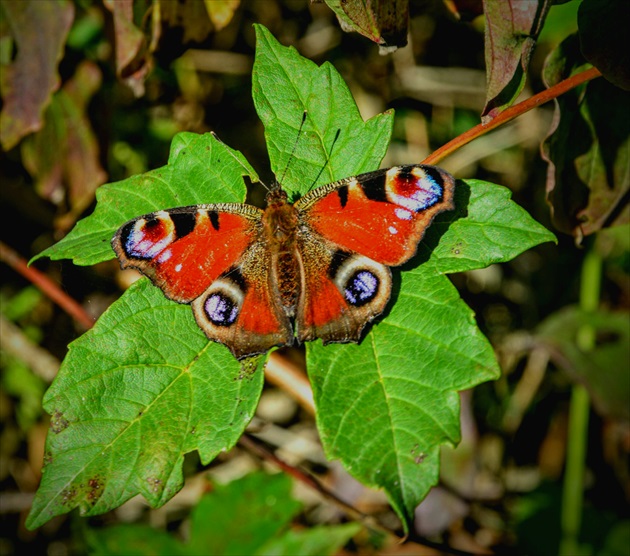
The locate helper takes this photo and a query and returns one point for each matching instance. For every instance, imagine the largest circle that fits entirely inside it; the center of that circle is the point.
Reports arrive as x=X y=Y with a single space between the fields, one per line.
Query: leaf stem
x=573 y=488
x=511 y=113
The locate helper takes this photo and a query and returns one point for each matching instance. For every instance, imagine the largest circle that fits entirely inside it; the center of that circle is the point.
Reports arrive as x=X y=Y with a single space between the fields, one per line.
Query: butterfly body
x=317 y=268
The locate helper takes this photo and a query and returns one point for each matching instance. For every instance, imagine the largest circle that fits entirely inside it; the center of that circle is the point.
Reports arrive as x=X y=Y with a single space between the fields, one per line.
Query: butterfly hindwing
x=342 y=292
x=382 y=215
x=241 y=308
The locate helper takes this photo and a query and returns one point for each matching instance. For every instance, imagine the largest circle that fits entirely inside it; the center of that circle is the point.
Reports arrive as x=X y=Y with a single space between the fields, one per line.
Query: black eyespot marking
x=405 y=174
x=184 y=223
x=374 y=188
x=436 y=177
x=214 y=219
x=335 y=263
x=220 y=309
x=361 y=288
x=342 y=192
x=235 y=275
x=126 y=232
x=151 y=222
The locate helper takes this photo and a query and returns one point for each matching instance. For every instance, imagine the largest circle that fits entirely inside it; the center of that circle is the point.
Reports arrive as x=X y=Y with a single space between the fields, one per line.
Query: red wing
x=241 y=308
x=184 y=250
x=382 y=215
x=341 y=292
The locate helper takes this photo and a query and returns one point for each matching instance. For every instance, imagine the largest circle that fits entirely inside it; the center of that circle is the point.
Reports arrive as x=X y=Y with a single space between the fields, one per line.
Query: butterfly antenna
x=294 y=147
x=237 y=160
x=327 y=159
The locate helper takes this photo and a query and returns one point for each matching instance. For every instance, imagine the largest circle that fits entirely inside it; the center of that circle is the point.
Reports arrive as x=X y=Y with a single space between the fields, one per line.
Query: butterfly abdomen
x=280 y=224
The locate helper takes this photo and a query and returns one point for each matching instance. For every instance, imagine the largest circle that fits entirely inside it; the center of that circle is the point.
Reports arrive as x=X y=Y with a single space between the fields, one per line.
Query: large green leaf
x=335 y=141
x=134 y=394
x=247 y=516
x=385 y=406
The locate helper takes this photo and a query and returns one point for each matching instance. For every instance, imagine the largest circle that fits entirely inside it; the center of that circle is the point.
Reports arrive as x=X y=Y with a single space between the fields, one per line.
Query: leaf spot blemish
x=58 y=422
x=94 y=489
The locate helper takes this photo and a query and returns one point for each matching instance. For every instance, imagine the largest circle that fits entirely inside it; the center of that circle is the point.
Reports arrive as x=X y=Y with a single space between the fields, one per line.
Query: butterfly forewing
x=382 y=215
x=184 y=250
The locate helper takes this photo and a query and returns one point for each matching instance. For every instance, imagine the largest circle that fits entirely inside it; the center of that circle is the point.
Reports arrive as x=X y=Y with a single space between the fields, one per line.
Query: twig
x=15 y=342
x=286 y=375
x=46 y=285
x=511 y=113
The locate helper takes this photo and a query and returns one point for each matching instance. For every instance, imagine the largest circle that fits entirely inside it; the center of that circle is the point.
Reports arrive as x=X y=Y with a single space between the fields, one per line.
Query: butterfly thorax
x=280 y=223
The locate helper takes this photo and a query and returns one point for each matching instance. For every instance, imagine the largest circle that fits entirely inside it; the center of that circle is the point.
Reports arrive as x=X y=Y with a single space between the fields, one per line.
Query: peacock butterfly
x=317 y=268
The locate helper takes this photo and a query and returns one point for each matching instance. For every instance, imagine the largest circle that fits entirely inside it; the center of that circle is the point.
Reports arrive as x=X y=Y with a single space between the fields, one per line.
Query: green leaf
x=246 y=516
x=605 y=369
x=134 y=394
x=317 y=541
x=486 y=227
x=335 y=142
x=240 y=517
x=200 y=169
x=385 y=406
x=132 y=540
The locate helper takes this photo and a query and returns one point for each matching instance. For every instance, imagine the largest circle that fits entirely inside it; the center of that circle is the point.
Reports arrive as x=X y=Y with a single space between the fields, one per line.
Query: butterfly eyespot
x=221 y=310
x=361 y=288
x=221 y=304
x=415 y=189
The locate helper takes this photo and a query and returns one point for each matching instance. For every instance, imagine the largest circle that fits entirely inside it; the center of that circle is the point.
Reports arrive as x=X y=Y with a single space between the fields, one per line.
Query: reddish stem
x=511 y=113
x=46 y=285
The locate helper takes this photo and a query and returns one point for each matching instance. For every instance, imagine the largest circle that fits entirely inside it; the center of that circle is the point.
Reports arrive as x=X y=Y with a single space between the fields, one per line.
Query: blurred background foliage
x=94 y=91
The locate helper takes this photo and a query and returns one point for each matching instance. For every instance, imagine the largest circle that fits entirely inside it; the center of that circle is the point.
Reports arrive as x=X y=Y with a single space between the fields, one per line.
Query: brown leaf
x=221 y=12
x=39 y=30
x=587 y=150
x=190 y=15
x=132 y=63
x=603 y=30
x=383 y=21
x=63 y=155
x=512 y=27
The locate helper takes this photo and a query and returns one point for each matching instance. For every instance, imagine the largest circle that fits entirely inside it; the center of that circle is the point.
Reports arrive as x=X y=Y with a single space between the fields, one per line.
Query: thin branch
x=288 y=376
x=511 y=113
x=46 y=285
x=15 y=342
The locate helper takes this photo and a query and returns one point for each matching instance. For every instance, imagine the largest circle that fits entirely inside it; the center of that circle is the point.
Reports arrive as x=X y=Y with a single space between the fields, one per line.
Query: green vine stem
x=573 y=488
